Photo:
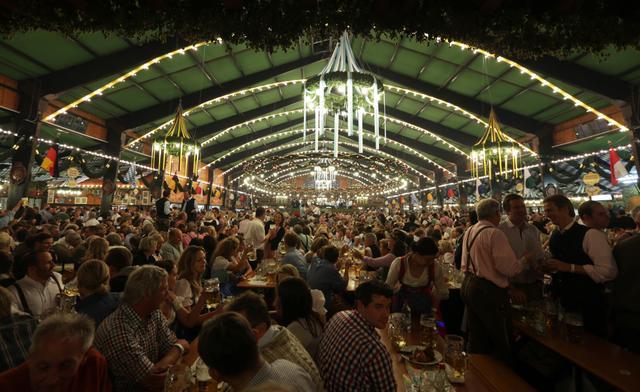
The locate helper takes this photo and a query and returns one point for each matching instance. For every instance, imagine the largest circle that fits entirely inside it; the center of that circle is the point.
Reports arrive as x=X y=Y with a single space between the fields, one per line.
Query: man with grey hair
x=488 y=262
x=135 y=338
x=172 y=249
x=60 y=358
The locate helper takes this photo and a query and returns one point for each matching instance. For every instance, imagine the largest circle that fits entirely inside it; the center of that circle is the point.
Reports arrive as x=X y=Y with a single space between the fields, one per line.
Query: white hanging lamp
x=341 y=88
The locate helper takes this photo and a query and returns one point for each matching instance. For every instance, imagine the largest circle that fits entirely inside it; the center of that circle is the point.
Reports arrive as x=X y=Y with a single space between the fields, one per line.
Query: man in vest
x=163 y=206
x=189 y=206
x=584 y=261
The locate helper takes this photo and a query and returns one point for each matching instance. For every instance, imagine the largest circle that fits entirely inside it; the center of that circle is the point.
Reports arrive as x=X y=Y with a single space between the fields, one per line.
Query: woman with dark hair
x=417 y=279
x=397 y=242
x=294 y=306
x=209 y=243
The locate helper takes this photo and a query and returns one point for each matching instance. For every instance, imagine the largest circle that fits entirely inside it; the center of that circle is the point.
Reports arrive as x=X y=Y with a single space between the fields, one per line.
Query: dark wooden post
x=28 y=128
x=211 y=171
x=439 y=190
x=112 y=148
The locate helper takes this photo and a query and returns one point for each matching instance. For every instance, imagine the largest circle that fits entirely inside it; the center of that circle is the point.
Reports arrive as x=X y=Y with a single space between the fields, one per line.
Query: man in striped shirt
x=351 y=356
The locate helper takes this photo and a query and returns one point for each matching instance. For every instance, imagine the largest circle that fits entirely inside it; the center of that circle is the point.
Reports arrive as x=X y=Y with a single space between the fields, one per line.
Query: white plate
x=407 y=357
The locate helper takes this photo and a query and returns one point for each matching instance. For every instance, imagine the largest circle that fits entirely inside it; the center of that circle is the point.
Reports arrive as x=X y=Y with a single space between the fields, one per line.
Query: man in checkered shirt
x=135 y=338
x=351 y=356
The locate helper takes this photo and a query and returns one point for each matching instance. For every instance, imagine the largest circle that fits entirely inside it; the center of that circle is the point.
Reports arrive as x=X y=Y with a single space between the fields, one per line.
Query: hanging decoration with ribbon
x=495 y=152
x=177 y=151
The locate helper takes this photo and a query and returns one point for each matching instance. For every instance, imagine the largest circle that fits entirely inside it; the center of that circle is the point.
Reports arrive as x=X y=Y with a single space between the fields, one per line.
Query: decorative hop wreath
x=336 y=100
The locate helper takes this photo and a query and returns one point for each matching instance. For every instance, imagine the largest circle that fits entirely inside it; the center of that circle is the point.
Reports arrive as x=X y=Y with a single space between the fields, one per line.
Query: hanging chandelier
x=177 y=152
x=324 y=177
x=495 y=152
x=343 y=89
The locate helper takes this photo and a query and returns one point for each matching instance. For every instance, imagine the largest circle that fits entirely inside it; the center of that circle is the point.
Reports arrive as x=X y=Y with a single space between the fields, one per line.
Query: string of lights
x=354 y=145
x=457 y=109
x=281 y=134
x=219 y=99
x=145 y=66
x=543 y=82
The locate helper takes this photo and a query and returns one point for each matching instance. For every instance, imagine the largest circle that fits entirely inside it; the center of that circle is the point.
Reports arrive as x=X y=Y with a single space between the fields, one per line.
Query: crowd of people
x=113 y=301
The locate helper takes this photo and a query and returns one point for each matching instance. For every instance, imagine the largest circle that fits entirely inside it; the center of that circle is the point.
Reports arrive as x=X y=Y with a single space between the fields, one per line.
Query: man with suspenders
x=488 y=262
x=36 y=292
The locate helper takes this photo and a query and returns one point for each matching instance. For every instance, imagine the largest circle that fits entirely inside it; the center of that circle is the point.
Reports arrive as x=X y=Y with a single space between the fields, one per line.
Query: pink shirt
x=493 y=258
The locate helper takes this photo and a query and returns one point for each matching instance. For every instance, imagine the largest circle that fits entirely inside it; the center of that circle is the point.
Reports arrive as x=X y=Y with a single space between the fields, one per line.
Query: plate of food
x=421 y=355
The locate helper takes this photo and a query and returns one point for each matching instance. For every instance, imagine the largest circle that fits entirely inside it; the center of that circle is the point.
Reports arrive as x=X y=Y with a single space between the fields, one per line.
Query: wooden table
x=484 y=373
x=605 y=360
x=247 y=283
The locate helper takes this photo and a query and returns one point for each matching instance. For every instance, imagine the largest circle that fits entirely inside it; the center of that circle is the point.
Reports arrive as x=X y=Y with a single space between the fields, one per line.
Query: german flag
x=49 y=161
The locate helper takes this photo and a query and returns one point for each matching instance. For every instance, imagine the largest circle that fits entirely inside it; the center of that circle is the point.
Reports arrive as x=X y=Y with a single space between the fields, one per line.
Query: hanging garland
x=511 y=28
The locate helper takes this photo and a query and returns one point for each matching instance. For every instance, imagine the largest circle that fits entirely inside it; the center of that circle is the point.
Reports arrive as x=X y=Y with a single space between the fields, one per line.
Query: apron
x=418 y=298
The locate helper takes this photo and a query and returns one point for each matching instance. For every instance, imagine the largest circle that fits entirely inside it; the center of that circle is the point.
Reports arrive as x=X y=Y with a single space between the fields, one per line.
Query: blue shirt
x=325 y=277
x=294 y=258
x=98 y=306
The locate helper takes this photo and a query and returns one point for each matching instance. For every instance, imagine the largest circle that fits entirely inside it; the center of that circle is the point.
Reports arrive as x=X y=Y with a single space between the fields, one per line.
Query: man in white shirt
x=584 y=261
x=254 y=235
x=244 y=223
x=524 y=239
x=594 y=215
x=36 y=292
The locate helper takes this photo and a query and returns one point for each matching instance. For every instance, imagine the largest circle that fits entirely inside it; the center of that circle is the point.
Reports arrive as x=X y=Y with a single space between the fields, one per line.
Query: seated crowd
x=113 y=302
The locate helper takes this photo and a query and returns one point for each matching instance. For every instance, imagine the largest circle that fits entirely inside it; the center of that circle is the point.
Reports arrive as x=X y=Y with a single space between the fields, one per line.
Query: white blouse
x=441 y=289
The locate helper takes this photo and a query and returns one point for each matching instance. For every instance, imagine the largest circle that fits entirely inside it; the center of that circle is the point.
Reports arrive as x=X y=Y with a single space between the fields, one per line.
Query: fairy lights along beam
x=284 y=174
x=343 y=164
x=219 y=99
x=248 y=184
x=543 y=82
x=298 y=111
x=354 y=145
x=100 y=90
x=279 y=135
x=279 y=169
x=456 y=109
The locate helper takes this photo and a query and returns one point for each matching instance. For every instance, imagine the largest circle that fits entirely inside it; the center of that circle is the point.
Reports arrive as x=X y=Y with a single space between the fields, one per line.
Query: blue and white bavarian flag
x=130 y=177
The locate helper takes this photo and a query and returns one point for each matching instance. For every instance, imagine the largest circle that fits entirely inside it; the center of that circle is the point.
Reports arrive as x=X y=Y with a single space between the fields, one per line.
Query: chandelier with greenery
x=177 y=152
x=343 y=90
x=495 y=152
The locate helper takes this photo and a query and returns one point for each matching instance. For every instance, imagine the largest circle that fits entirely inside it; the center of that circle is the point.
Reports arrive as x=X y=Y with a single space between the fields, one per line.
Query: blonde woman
x=93 y=284
x=172 y=308
x=191 y=266
x=146 y=251
x=97 y=248
x=188 y=289
x=318 y=242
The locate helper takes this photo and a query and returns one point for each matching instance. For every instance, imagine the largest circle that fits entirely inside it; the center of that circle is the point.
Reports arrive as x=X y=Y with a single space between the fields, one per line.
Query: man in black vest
x=163 y=210
x=584 y=261
x=189 y=206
